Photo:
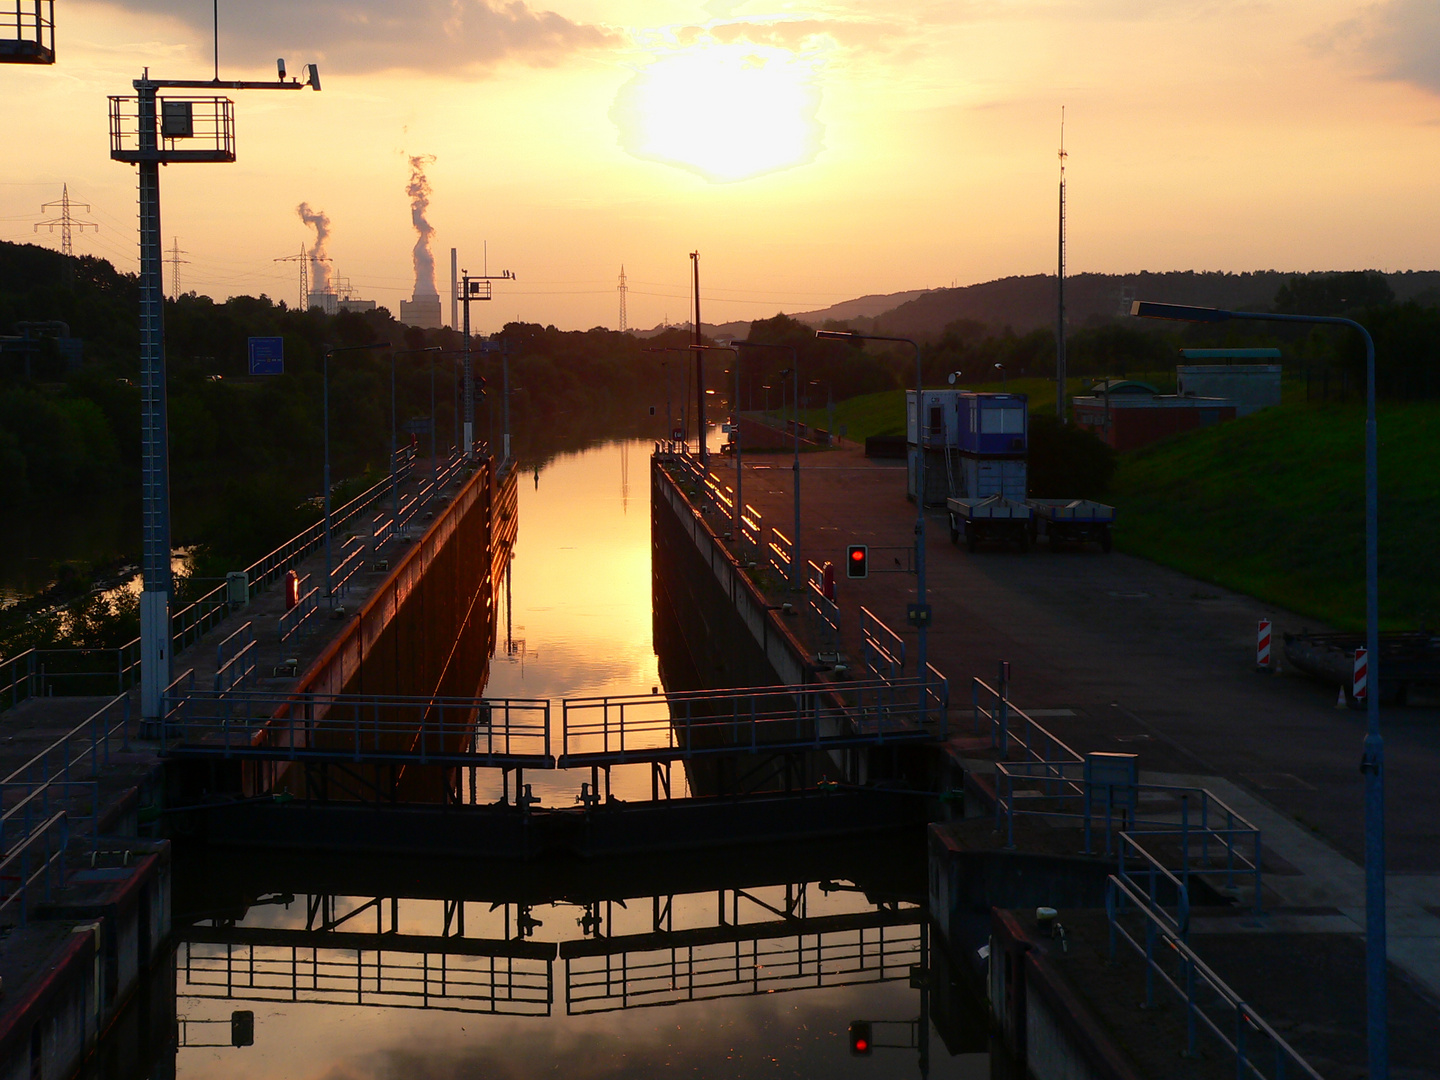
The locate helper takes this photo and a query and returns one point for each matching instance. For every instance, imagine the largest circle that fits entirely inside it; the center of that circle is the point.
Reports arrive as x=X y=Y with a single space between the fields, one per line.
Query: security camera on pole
x=148 y=131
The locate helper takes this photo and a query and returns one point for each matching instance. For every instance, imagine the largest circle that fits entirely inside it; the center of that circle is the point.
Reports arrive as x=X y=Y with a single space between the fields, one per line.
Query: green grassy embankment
x=1273 y=505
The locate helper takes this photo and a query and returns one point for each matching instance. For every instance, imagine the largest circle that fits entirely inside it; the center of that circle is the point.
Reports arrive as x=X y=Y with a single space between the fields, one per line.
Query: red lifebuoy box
x=828 y=570
x=292 y=589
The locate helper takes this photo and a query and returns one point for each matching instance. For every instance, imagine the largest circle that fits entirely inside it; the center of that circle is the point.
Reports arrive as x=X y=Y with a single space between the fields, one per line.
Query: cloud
x=378 y=35
x=1398 y=39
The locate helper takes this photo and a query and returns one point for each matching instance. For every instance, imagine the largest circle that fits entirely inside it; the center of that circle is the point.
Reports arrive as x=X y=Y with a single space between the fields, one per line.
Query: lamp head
x=853 y=336
x=280 y=67
x=1146 y=309
x=312 y=76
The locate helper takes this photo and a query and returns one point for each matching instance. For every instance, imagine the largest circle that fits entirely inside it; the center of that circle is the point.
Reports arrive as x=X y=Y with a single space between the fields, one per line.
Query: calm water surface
x=761 y=1002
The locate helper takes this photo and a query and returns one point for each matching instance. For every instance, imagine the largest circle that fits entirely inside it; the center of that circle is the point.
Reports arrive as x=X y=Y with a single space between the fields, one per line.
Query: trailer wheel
x=1105 y=541
x=972 y=538
x=954 y=532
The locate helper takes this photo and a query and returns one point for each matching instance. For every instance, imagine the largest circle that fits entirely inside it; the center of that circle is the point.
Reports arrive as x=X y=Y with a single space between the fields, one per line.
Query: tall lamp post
x=669 y=419
x=148 y=130
x=919 y=614
x=325 y=412
x=794 y=369
x=1373 y=757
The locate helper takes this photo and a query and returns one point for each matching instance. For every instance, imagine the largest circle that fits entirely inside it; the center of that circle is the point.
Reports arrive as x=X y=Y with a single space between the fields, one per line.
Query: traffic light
x=857 y=561
x=861 y=1043
x=479 y=383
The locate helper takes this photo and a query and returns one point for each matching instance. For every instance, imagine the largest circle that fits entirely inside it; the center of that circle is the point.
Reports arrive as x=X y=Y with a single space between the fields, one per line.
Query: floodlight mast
x=148 y=153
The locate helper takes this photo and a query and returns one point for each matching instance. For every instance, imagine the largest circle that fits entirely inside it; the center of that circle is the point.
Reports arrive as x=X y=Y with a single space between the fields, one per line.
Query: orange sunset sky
x=811 y=151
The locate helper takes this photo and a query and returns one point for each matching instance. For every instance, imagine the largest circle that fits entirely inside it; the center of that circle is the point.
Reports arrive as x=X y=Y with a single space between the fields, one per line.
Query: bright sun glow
x=727 y=112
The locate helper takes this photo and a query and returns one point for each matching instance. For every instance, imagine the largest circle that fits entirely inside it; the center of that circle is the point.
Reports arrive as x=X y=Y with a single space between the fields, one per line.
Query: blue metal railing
x=39 y=858
x=1210 y=1005
x=359 y=728
x=305 y=612
x=882 y=650
x=680 y=726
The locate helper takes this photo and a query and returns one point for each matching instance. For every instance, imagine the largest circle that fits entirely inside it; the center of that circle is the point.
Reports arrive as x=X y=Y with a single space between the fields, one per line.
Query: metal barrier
x=1208 y=1002
x=781 y=553
x=824 y=608
x=1175 y=820
x=34 y=803
x=752 y=529
x=295 y=619
x=1007 y=723
x=763 y=959
x=349 y=566
x=19 y=870
x=388 y=976
x=815 y=716
x=235 y=660
x=882 y=650
x=90 y=738
x=68 y=673
x=355 y=728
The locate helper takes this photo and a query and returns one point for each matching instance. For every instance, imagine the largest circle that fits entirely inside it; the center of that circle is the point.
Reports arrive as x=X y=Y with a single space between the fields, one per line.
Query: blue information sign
x=267 y=356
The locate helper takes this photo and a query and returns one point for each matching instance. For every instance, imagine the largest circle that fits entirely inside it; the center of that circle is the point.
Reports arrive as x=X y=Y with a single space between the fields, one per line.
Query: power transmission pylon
x=66 y=220
x=304 y=260
x=175 y=260
x=624 y=325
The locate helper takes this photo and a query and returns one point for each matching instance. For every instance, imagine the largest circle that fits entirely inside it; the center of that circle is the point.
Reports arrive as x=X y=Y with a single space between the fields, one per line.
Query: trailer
x=1074 y=521
x=1407 y=659
x=993 y=518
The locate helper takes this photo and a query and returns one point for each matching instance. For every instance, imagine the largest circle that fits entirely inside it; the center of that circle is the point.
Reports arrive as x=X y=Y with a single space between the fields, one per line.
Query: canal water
x=724 y=964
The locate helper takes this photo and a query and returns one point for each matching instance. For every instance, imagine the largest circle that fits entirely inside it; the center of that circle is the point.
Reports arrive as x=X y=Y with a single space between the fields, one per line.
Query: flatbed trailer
x=1406 y=659
x=990 y=519
x=1074 y=521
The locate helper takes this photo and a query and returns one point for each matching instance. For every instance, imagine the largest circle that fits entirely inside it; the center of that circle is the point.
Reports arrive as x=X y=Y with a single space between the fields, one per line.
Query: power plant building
x=423 y=311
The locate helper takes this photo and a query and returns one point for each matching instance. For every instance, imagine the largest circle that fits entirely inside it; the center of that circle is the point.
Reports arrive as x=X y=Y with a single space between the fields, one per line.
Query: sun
x=725 y=111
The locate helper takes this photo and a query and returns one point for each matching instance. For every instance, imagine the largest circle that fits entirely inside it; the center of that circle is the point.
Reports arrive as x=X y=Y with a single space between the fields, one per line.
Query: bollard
x=1263 y=663
x=1361 y=679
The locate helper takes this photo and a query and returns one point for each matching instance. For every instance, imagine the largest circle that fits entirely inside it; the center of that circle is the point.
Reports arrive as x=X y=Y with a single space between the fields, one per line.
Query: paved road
x=1149 y=660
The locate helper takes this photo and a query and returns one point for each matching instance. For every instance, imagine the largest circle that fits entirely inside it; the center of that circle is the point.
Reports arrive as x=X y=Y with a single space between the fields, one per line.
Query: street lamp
x=794 y=369
x=1373 y=757
x=919 y=613
x=954 y=377
x=1004 y=383
x=325 y=410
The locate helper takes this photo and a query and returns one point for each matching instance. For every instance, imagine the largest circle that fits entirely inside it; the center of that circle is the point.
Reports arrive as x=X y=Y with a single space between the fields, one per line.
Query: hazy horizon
x=812 y=152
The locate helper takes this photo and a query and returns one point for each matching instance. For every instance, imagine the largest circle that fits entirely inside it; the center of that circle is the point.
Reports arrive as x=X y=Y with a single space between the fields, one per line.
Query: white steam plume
x=419 y=191
x=319 y=263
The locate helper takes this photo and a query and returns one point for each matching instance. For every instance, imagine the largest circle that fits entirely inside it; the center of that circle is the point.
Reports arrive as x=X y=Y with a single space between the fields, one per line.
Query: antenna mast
x=1060 y=313
x=624 y=288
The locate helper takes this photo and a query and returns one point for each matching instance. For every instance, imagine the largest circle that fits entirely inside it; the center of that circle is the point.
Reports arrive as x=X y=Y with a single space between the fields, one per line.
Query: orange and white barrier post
x=1359 y=687
x=1262 y=647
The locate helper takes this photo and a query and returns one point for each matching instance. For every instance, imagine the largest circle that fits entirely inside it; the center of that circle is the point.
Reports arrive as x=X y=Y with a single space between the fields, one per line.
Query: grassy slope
x=1272 y=505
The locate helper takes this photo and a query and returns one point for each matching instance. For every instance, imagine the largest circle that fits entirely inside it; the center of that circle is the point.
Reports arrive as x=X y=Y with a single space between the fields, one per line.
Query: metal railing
x=350 y=565
x=235 y=659
x=1197 y=831
x=90 y=739
x=1011 y=724
x=359 y=728
x=825 y=609
x=752 y=529
x=30 y=802
x=39 y=858
x=814 y=716
x=294 y=621
x=68 y=673
x=1210 y=1005
x=882 y=650
x=781 y=553
x=797 y=960
x=389 y=978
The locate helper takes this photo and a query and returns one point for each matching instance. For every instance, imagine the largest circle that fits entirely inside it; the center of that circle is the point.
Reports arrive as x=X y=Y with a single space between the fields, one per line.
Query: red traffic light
x=857 y=561
x=861 y=1043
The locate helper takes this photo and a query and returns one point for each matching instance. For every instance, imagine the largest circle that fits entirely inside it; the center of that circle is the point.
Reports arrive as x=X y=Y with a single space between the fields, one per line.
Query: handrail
x=877 y=640
x=16 y=865
x=1193 y=970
